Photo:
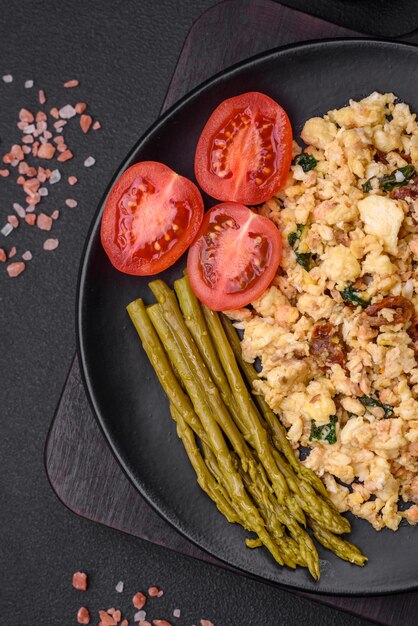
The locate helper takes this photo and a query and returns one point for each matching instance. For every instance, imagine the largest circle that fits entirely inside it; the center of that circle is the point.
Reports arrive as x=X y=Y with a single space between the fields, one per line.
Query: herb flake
x=349 y=294
x=397 y=178
x=293 y=237
x=304 y=259
x=326 y=432
x=369 y=401
x=306 y=161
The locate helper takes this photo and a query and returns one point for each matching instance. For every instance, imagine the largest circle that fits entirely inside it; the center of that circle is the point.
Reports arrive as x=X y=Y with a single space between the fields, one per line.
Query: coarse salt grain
x=85 y=122
x=14 y=269
x=4 y=173
x=55 y=215
x=83 y=615
x=67 y=112
x=153 y=592
x=41 y=96
x=71 y=203
x=7 y=78
x=116 y=616
x=12 y=252
x=176 y=613
x=96 y=125
x=71 y=83
x=55 y=177
x=28 y=130
x=90 y=161
x=43 y=191
x=65 y=156
x=44 y=222
x=30 y=219
x=124 y=623
x=19 y=209
x=51 y=244
x=3 y=256
x=119 y=586
x=205 y=622
x=12 y=219
x=46 y=150
x=79 y=580
x=160 y=622
x=140 y=616
x=106 y=619
x=27 y=256
x=72 y=180
x=139 y=600
x=28 y=84
x=80 y=107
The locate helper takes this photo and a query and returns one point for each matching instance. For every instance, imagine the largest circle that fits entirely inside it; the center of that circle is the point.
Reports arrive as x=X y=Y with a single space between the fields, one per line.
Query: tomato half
x=245 y=150
x=150 y=218
x=234 y=257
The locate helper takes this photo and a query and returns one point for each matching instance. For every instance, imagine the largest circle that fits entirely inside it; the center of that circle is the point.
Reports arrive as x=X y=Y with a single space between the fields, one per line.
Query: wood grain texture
x=81 y=468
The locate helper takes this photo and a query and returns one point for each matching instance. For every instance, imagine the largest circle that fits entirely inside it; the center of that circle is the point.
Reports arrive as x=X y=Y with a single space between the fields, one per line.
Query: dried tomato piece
x=327 y=346
x=407 y=191
x=403 y=307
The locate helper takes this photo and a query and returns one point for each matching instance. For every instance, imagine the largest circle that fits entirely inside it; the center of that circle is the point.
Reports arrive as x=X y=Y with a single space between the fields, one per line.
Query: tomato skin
x=150 y=218
x=244 y=152
x=234 y=257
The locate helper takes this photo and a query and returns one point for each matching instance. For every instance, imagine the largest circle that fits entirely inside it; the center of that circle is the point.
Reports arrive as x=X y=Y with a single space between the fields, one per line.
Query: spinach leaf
x=306 y=161
x=349 y=294
x=398 y=178
x=304 y=259
x=327 y=432
x=292 y=238
x=368 y=401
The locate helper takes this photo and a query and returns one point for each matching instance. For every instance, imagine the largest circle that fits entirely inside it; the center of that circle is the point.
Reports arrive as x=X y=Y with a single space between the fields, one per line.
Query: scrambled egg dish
x=336 y=333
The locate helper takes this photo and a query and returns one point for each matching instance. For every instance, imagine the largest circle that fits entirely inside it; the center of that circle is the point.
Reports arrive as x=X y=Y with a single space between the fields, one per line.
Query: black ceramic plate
x=308 y=80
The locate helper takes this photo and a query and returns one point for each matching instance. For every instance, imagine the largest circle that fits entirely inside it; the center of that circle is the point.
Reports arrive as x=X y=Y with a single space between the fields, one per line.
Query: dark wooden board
x=81 y=468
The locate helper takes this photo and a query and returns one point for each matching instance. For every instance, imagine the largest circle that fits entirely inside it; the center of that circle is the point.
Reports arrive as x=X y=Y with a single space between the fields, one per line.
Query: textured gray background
x=124 y=53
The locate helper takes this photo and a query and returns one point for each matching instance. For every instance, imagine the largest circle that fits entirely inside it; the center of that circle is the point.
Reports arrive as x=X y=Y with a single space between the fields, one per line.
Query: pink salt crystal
x=44 y=222
x=176 y=613
x=26 y=116
x=7 y=78
x=55 y=215
x=80 y=107
x=89 y=162
x=33 y=199
x=71 y=83
x=42 y=140
x=62 y=147
x=17 y=152
x=85 y=122
x=51 y=244
x=29 y=129
x=41 y=126
x=55 y=177
x=26 y=149
x=4 y=173
x=22 y=125
x=3 y=256
x=30 y=219
x=205 y=622
x=153 y=592
x=71 y=203
x=35 y=147
x=19 y=209
x=12 y=219
x=96 y=125
x=47 y=134
x=72 y=180
x=41 y=116
x=59 y=139
x=41 y=96
x=67 y=112
x=65 y=156
x=12 y=252
x=14 y=269
x=27 y=139
x=28 y=84
x=27 y=256
x=160 y=593
x=59 y=124
x=46 y=151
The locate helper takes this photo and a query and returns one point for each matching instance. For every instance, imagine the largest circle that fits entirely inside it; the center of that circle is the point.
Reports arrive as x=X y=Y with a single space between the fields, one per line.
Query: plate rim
x=86 y=377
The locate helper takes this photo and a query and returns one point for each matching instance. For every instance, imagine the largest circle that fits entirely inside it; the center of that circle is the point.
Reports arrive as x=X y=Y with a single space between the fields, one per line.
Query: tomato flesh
x=151 y=216
x=234 y=257
x=244 y=152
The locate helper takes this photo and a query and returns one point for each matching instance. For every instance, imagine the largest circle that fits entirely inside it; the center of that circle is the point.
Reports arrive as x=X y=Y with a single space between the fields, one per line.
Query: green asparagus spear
x=216 y=441
x=341 y=547
x=174 y=319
